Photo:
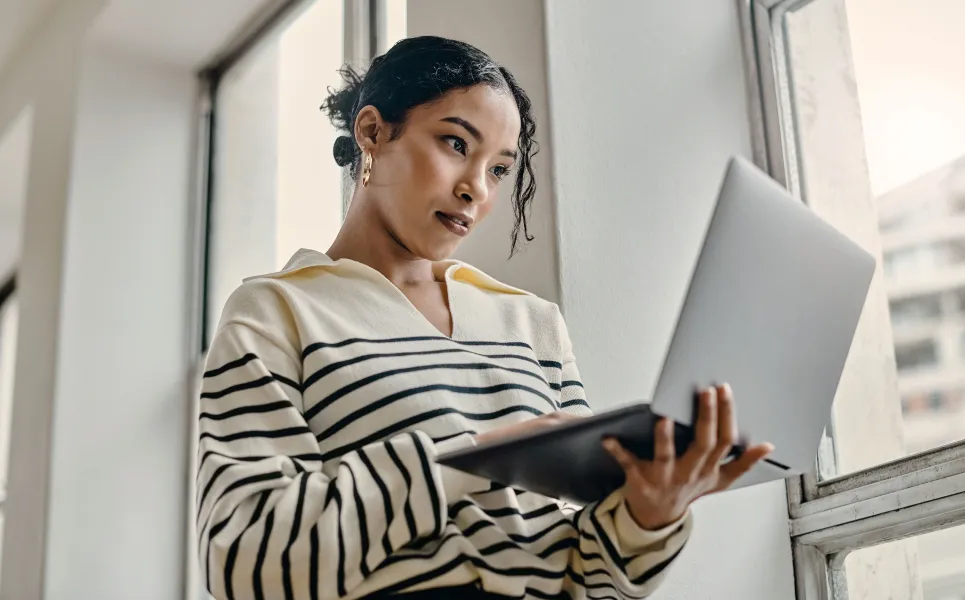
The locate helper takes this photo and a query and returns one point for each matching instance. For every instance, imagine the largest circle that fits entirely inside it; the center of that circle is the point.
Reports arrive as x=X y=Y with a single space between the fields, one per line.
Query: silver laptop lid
x=772 y=308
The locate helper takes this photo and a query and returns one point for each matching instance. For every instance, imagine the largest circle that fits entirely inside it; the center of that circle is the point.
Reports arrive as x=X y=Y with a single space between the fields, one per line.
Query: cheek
x=428 y=169
x=486 y=208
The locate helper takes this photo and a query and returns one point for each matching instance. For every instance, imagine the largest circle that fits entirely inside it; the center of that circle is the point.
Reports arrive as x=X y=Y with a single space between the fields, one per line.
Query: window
x=905 y=260
x=917 y=310
x=274 y=187
x=8 y=343
x=272 y=184
x=916 y=355
x=15 y=140
x=953 y=251
x=393 y=23
x=941 y=576
x=857 y=113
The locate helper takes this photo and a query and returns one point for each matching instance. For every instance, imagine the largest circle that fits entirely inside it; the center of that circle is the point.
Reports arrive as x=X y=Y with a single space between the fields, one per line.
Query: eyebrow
x=474 y=132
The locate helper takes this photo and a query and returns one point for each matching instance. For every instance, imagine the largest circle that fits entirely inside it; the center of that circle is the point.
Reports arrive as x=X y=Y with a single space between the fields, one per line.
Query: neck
x=365 y=238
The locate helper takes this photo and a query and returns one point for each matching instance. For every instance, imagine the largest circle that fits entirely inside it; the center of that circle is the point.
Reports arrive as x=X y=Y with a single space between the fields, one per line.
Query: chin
x=438 y=253
x=436 y=249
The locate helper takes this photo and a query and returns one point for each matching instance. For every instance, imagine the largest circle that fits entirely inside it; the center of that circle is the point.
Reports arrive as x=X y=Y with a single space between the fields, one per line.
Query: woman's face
x=438 y=181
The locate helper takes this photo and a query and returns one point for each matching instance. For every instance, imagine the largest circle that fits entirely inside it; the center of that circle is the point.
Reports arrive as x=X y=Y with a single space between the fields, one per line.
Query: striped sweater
x=325 y=399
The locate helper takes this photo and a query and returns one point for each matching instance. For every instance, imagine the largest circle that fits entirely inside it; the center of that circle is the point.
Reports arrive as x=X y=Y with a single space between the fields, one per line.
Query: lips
x=456 y=219
x=456 y=223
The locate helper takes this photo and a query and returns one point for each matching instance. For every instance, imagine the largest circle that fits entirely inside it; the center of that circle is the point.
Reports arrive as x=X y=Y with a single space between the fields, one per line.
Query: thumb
x=619 y=454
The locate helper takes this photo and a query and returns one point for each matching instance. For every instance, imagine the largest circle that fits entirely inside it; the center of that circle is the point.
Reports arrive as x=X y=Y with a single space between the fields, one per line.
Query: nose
x=472 y=189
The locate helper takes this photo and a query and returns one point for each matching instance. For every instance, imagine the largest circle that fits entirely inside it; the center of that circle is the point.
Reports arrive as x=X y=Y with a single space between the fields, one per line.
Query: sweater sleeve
x=272 y=522
x=613 y=551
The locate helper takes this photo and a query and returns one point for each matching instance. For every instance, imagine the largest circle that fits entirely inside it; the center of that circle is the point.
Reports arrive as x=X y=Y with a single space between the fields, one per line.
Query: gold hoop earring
x=366 y=168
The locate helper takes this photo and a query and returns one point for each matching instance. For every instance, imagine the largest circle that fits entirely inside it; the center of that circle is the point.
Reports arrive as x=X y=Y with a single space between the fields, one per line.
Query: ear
x=371 y=131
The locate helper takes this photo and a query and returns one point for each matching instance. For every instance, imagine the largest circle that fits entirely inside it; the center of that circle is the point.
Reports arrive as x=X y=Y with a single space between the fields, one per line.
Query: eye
x=501 y=171
x=456 y=143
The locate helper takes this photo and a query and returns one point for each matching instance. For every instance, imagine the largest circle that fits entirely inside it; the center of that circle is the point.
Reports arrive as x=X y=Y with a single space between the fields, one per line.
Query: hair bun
x=344 y=150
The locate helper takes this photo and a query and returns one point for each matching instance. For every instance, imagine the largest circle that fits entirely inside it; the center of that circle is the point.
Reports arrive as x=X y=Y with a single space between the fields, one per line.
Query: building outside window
x=859 y=106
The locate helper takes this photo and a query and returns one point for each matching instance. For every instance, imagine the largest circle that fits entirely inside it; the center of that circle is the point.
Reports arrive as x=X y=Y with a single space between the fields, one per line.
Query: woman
x=333 y=383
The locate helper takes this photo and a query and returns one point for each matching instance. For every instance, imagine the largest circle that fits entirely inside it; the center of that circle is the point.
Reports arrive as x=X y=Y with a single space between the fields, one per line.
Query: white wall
x=647 y=103
x=42 y=75
x=105 y=297
x=118 y=479
x=646 y=110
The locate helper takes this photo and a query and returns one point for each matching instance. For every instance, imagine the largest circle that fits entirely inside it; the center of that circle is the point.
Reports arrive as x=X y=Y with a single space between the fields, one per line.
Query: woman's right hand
x=527 y=426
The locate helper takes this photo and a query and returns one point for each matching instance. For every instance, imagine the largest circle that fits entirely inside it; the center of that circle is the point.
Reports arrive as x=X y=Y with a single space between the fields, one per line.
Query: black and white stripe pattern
x=317 y=479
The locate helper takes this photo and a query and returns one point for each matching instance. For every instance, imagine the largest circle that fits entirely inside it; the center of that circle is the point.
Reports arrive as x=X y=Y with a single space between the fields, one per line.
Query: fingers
x=660 y=470
x=625 y=459
x=726 y=426
x=705 y=434
x=733 y=470
x=664 y=451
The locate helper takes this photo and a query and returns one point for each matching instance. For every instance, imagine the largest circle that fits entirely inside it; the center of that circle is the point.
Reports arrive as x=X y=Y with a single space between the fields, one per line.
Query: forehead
x=492 y=111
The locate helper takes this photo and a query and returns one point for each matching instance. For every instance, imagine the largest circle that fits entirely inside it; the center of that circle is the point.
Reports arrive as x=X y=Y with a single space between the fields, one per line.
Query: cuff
x=633 y=538
x=456 y=483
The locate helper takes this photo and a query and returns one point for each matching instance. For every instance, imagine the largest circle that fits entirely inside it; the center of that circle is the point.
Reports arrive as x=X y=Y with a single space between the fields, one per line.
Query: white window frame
x=911 y=496
x=364 y=22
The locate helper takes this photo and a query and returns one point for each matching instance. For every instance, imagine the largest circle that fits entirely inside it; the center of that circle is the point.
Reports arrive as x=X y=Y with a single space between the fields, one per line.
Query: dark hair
x=418 y=71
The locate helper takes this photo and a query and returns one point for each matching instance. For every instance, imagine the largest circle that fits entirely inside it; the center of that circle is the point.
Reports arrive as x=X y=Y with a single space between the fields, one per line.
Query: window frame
x=8 y=300
x=364 y=31
x=910 y=496
x=8 y=295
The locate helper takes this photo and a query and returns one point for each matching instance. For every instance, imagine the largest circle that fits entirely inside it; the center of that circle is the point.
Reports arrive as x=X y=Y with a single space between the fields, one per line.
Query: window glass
x=908 y=63
x=15 y=139
x=276 y=187
x=940 y=573
x=396 y=23
x=919 y=310
x=878 y=126
x=8 y=347
x=917 y=355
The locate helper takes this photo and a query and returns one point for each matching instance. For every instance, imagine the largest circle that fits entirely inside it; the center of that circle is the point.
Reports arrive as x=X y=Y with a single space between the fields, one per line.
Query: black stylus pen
x=738 y=449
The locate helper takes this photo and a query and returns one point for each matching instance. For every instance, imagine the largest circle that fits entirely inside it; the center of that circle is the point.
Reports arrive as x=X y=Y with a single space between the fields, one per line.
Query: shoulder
x=497 y=290
x=542 y=318
x=279 y=294
x=256 y=301
x=269 y=304
x=259 y=307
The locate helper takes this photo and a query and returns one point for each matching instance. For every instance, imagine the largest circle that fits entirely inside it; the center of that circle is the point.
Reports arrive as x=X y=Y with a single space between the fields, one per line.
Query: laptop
x=772 y=307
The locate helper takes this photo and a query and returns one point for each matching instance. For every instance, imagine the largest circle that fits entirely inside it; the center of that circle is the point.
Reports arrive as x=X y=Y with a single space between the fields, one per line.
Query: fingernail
x=609 y=444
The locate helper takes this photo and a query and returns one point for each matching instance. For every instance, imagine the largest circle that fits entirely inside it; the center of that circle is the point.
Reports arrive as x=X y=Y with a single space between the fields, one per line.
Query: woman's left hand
x=659 y=492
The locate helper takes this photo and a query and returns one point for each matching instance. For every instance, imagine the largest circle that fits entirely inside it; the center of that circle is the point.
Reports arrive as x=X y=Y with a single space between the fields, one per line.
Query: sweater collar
x=450 y=270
